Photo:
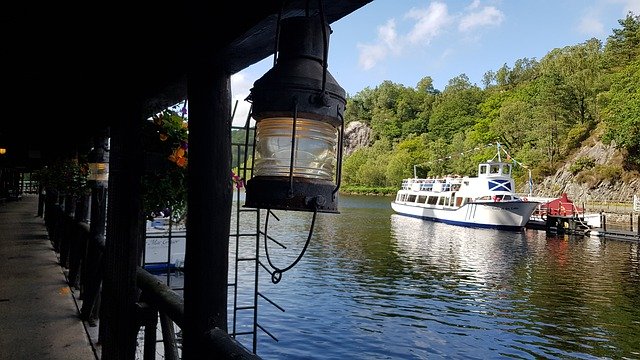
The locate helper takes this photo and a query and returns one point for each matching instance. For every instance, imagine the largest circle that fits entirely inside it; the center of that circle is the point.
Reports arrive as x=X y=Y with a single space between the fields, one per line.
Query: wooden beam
x=119 y=290
x=209 y=204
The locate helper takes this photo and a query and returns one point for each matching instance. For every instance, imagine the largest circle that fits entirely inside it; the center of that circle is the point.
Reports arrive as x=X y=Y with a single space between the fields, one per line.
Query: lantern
x=298 y=108
x=98 y=163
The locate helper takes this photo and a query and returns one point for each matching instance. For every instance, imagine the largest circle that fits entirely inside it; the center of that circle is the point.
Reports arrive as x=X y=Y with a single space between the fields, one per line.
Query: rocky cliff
x=592 y=184
x=356 y=135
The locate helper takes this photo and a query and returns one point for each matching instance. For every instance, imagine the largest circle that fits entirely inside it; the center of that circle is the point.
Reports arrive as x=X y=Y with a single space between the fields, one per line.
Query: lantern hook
x=276 y=275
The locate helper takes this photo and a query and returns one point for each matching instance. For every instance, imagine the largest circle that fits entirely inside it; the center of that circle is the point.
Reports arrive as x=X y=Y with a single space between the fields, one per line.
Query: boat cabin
x=493 y=184
x=490 y=169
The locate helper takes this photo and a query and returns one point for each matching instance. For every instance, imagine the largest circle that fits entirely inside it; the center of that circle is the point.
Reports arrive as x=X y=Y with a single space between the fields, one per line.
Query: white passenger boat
x=488 y=200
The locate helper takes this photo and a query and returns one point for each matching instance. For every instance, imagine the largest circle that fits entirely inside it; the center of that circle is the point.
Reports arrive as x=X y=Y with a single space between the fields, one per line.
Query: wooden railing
x=70 y=238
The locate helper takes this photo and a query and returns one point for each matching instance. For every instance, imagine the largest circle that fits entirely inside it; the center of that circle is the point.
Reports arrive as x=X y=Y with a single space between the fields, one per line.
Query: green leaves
x=67 y=176
x=164 y=183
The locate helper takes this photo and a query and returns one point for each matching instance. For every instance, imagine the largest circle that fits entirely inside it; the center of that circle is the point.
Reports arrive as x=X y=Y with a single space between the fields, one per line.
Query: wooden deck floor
x=38 y=312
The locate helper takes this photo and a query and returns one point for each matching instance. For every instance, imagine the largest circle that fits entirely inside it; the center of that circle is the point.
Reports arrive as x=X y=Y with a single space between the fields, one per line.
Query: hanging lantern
x=298 y=108
x=3 y=151
x=98 y=172
x=98 y=165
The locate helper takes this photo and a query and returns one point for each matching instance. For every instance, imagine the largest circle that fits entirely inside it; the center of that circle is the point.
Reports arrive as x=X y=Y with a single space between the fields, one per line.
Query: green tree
x=456 y=109
x=623 y=46
x=622 y=112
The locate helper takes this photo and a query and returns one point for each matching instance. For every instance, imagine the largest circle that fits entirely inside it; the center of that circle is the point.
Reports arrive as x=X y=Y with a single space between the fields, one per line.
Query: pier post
x=91 y=280
x=209 y=202
x=78 y=241
x=118 y=328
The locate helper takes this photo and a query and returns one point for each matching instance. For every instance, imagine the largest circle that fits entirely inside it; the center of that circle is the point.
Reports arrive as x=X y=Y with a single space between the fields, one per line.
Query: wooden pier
x=39 y=315
x=575 y=225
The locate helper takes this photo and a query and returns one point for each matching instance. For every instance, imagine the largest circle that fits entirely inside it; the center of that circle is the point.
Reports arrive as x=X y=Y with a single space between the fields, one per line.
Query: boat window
x=422 y=198
x=441 y=200
x=495 y=169
x=432 y=200
x=483 y=169
x=426 y=187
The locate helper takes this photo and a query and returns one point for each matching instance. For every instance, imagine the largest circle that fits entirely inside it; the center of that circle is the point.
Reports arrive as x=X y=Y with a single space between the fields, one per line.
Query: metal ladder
x=244 y=285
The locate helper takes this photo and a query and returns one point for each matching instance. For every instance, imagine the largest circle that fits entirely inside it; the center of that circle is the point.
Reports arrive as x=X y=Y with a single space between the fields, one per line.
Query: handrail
x=161 y=296
x=218 y=343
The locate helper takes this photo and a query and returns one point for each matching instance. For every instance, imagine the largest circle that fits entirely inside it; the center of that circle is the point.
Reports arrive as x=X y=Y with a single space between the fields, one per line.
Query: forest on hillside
x=539 y=110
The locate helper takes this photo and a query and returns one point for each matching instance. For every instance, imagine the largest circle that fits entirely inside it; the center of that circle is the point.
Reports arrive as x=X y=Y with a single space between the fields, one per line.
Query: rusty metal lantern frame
x=299 y=87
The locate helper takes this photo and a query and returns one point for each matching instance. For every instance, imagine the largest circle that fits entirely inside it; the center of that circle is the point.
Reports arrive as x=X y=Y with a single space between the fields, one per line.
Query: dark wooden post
x=78 y=240
x=41 y=199
x=119 y=290
x=92 y=269
x=209 y=205
x=67 y=229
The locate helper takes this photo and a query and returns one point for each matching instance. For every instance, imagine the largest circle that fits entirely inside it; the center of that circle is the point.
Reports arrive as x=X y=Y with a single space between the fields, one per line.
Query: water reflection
x=376 y=285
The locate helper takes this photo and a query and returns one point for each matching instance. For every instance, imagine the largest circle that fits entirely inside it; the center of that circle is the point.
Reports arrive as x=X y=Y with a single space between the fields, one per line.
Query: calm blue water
x=376 y=285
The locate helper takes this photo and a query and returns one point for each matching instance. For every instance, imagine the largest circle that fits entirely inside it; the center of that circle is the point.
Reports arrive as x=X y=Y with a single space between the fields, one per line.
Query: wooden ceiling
x=70 y=68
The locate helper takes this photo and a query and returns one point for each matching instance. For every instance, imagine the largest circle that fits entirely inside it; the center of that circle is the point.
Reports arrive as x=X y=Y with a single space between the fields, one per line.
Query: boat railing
x=558 y=209
x=435 y=184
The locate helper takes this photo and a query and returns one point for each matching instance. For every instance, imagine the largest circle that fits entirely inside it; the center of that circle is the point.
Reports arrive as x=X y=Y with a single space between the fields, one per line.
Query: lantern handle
x=276 y=276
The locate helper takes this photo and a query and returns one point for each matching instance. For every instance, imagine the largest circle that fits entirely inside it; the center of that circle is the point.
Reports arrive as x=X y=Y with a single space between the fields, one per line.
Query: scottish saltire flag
x=499 y=185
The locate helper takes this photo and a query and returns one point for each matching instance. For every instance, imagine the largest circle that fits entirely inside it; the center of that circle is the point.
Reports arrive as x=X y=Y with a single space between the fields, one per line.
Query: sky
x=403 y=41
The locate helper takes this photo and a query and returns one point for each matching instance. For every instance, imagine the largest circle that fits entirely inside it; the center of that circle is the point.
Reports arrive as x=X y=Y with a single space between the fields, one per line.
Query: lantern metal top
x=300 y=76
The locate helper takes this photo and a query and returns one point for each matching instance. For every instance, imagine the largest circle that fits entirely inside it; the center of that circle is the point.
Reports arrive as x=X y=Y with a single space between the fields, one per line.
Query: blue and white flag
x=499 y=185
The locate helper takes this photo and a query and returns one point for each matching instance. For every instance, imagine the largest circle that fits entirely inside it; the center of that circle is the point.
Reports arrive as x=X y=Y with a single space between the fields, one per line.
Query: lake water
x=376 y=285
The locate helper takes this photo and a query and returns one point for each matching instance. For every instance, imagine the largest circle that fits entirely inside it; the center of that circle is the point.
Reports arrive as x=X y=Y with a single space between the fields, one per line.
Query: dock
x=575 y=225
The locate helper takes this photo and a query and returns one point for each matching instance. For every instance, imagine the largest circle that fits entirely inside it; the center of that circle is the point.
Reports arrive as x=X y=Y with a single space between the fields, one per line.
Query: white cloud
x=427 y=25
x=371 y=54
x=590 y=25
x=429 y=22
x=474 y=5
x=487 y=16
x=240 y=88
x=388 y=35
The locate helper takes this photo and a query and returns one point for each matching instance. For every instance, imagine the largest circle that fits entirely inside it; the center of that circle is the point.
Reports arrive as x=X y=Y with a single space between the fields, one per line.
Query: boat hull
x=497 y=215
